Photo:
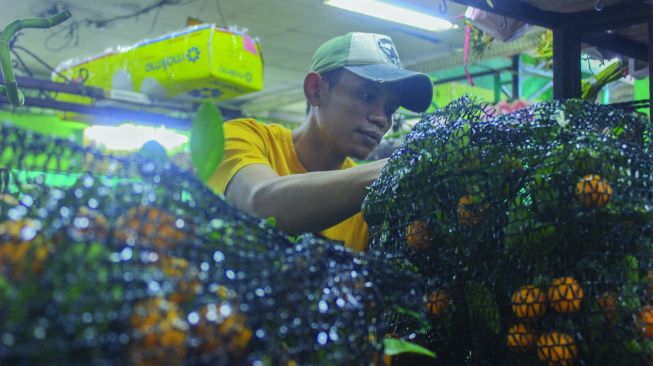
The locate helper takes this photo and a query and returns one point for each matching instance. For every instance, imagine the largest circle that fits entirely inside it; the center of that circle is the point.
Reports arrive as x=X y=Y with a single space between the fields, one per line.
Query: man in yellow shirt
x=305 y=178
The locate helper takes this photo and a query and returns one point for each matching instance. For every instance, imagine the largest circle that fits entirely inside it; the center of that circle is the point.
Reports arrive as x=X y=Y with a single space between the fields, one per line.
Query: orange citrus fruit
x=22 y=247
x=186 y=277
x=160 y=333
x=520 y=337
x=593 y=192
x=528 y=302
x=150 y=226
x=220 y=325
x=437 y=302
x=418 y=235
x=8 y=200
x=565 y=295
x=608 y=304
x=557 y=349
x=644 y=321
x=88 y=224
x=470 y=211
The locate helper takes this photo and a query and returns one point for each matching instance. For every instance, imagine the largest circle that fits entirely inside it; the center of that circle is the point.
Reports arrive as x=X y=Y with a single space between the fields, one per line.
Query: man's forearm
x=314 y=201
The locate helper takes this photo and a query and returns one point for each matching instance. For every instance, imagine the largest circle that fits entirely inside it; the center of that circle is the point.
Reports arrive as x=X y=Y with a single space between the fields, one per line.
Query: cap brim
x=416 y=88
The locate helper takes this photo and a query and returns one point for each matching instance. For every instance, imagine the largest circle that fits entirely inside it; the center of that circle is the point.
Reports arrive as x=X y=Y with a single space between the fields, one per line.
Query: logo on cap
x=389 y=51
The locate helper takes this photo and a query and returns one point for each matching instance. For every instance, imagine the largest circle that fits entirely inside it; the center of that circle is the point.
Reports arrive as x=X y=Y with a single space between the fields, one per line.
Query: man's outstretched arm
x=309 y=202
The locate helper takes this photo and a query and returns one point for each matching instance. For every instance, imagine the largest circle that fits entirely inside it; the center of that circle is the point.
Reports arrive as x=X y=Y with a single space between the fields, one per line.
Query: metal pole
x=516 y=77
x=497 y=88
x=566 y=64
x=650 y=65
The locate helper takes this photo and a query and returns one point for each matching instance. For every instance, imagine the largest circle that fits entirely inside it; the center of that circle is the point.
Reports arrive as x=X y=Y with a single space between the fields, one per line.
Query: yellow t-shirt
x=250 y=142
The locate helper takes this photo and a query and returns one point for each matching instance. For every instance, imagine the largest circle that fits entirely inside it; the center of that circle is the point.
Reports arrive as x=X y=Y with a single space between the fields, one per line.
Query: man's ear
x=313 y=83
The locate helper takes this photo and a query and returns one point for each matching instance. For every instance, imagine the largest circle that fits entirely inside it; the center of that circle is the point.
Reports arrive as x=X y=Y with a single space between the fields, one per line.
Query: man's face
x=355 y=113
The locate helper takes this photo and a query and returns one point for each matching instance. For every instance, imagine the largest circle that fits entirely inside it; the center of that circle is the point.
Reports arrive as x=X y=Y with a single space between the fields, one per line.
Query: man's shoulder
x=253 y=124
x=251 y=128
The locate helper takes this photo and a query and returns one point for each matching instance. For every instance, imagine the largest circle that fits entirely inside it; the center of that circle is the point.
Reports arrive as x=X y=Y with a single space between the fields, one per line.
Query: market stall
x=511 y=233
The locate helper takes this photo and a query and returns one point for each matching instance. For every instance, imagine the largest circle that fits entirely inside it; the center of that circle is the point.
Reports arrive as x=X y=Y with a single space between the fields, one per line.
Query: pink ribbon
x=468 y=36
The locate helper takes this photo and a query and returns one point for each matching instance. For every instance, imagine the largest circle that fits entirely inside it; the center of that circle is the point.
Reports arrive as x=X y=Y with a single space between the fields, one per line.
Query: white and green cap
x=374 y=57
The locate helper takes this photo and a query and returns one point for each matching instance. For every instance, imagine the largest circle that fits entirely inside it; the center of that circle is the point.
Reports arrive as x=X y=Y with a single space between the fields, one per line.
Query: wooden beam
x=618 y=44
x=613 y=17
x=589 y=21
x=516 y=10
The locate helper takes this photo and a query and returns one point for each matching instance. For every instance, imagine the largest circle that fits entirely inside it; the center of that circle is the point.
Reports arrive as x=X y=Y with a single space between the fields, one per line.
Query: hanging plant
x=544 y=52
x=479 y=41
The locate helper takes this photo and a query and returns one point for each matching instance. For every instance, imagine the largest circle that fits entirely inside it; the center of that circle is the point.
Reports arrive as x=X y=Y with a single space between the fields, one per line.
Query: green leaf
x=207 y=140
x=272 y=221
x=630 y=267
x=395 y=347
x=413 y=314
x=612 y=72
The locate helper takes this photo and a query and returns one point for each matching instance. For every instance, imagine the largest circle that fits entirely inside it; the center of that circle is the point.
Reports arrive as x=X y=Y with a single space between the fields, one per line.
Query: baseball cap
x=374 y=57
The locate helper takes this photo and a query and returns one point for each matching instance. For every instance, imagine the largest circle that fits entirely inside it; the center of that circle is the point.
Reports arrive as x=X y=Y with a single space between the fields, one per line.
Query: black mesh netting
x=119 y=261
x=533 y=230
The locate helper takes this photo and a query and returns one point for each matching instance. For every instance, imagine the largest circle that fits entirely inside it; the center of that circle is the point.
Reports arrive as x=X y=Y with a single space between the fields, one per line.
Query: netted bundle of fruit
x=107 y=261
x=533 y=229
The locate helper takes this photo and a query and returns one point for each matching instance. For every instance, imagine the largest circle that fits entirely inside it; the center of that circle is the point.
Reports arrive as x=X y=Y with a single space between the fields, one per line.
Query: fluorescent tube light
x=129 y=137
x=393 y=13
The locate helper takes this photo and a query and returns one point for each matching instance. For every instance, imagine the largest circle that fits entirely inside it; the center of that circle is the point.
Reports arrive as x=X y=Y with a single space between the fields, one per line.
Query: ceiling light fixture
x=393 y=13
x=129 y=137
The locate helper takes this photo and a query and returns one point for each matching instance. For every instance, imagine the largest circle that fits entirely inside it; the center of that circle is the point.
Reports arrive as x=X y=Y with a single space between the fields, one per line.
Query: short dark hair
x=331 y=77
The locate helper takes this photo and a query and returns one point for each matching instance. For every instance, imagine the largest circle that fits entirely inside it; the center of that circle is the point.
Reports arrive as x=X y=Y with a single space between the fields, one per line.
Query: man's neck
x=314 y=150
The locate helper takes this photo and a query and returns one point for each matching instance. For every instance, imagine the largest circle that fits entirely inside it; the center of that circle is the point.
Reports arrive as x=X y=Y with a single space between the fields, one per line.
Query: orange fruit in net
x=150 y=226
x=159 y=333
x=418 y=235
x=608 y=304
x=185 y=276
x=557 y=349
x=528 y=302
x=521 y=337
x=436 y=302
x=8 y=200
x=22 y=248
x=87 y=224
x=221 y=326
x=565 y=295
x=593 y=192
x=470 y=210
x=644 y=321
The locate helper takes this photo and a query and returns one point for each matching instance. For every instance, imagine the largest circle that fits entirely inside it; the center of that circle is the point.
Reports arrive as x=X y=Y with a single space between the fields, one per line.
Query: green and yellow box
x=202 y=62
